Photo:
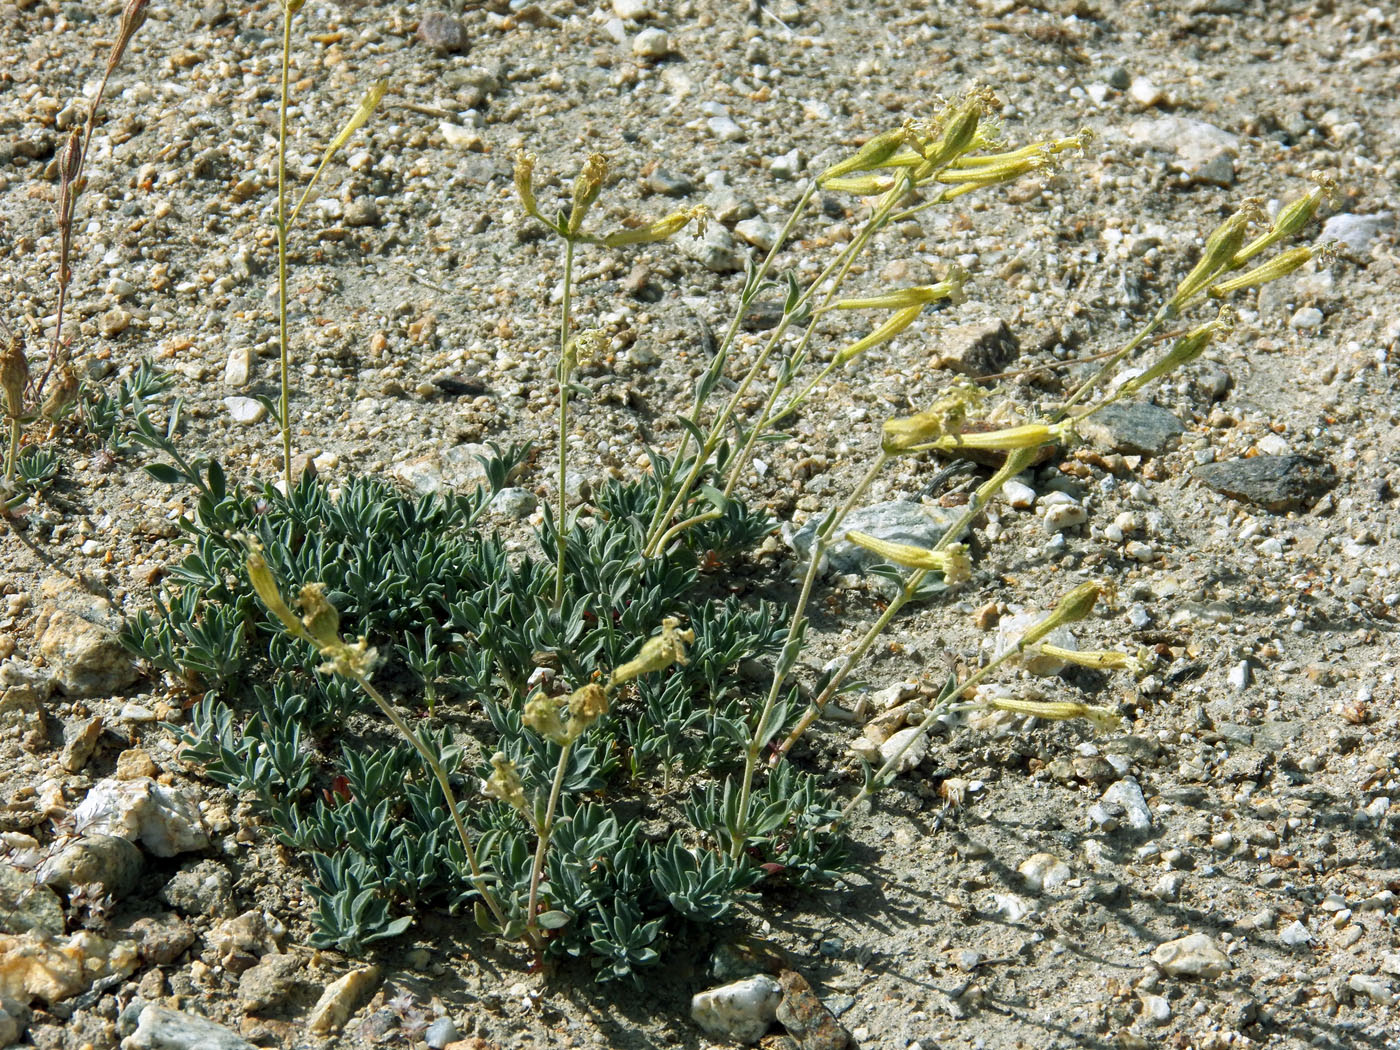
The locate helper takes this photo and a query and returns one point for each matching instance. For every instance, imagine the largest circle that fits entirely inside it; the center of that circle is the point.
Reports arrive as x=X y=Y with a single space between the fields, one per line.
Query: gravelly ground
x=423 y=302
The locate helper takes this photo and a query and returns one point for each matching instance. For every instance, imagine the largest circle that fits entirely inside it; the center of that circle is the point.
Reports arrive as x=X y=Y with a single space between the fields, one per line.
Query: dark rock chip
x=980 y=349
x=1134 y=429
x=1276 y=483
x=443 y=33
x=810 y=1023
x=668 y=183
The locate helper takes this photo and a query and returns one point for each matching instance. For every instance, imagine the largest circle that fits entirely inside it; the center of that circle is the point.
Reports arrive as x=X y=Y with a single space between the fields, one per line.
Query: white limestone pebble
x=741 y=1011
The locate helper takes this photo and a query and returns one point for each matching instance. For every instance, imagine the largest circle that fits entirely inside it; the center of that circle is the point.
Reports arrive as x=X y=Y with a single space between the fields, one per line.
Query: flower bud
x=1185 y=350
x=945 y=416
x=872 y=155
x=887 y=331
x=586 y=706
x=586 y=189
x=1031 y=435
x=504 y=783
x=525 y=183
x=265 y=586
x=860 y=185
x=662 y=228
x=320 y=617
x=62 y=394
x=1072 y=608
x=542 y=715
x=14 y=375
x=1057 y=710
x=1291 y=218
x=953 y=561
x=1281 y=265
x=951 y=289
x=657 y=653
x=1098 y=659
x=1217 y=257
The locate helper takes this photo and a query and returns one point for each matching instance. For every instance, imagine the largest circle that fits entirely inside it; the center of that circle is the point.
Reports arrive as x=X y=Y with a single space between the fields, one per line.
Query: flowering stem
x=1015 y=463
x=544 y=831
x=562 y=533
x=762 y=731
x=284 y=417
x=440 y=775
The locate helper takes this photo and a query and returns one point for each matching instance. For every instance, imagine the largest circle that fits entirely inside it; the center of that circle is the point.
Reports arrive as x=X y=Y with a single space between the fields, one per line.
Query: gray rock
x=651 y=43
x=271 y=982
x=161 y=1029
x=14 y=1019
x=443 y=33
x=1127 y=794
x=668 y=184
x=108 y=861
x=1135 y=429
x=23 y=690
x=26 y=906
x=1196 y=955
x=981 y=349
x=1200 y=151
x=1276 y=736
x=1277 y=483
x=213 y=13
x=440 y=1033
x=717 y=251
x=1356 y=232
x=896 y=521
x=79 y=742
x=162 y=819
x=246 y=411
x=456 y=468
x=206 y=889
x=741 y=1012
x=341 y=998
x=514 y=503
x=83 y=653
x=1295 y=935
x=160 y=939
x=362 y=212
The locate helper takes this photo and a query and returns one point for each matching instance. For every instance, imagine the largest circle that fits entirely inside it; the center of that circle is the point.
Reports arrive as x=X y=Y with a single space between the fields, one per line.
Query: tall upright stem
x=762 y=731
x=284 y=359
x=544 y=831
x=562 y=523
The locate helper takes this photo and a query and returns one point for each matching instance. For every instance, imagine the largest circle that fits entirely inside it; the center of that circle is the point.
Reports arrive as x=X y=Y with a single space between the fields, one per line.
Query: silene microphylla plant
x=585 y=749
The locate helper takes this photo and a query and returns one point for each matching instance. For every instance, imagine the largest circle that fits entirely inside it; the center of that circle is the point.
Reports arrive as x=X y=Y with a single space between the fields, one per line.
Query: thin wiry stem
x=562 y=541
x=284 y=416
x=761 y=731
x=544 y=831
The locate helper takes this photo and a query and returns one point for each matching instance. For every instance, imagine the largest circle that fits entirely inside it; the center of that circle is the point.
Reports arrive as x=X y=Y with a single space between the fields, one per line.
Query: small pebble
x=1306 y=319
x=246 y=410
x=651 y=43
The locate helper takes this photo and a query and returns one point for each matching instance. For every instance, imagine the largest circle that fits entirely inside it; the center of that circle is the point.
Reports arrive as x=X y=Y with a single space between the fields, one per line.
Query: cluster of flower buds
x=587 y=188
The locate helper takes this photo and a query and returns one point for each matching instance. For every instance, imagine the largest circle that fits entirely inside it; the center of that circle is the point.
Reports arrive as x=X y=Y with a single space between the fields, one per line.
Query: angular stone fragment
x=341 y=998
x=981 y=349
x=108 y=861
x=443 y=33
x=162 y=1029
x=1277 y=483
x=806 y=1018
x=85 y=656
x=1134 y=429
x=1196 y=955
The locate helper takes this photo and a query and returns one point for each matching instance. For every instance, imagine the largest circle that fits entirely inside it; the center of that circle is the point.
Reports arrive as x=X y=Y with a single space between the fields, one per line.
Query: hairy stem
x=791 y=648
x=284 y=416
x=562 y=525
x=543 y=832
x=440 y=775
